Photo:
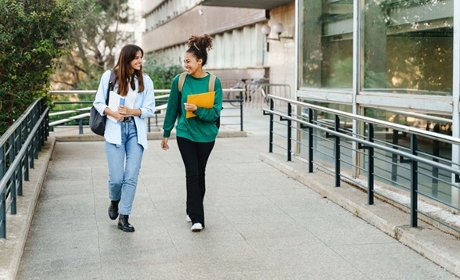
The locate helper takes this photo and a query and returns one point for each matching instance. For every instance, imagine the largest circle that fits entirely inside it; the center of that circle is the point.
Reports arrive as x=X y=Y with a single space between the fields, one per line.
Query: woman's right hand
x=114 y=114
x=164 y=144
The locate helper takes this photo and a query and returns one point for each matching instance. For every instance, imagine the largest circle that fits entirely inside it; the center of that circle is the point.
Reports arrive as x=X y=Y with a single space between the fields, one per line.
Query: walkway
x=260 y=223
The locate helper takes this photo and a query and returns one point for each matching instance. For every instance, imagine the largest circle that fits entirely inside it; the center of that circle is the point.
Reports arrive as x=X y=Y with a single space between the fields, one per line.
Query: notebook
x=203 y=100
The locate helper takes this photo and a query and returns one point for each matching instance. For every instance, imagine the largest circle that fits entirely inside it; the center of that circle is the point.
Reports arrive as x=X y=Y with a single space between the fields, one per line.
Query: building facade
x=397 y=61
x=394 y=60
x=241 y=50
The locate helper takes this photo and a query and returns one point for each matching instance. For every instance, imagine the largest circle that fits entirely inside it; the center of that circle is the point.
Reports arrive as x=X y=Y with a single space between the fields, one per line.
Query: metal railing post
x=13 y=194
x=27 y=154
x=19 y=182
x=270 y=133
x=310 y=141
x=394 y=157
x=336 y=150
x=434 y=170
x=414 y=182
x=2 y=161
x=80 y=126
x=370 y=160
x=289 y=133
x=241 y=111
x=33 y=149
x=45 y=126
x=26 y=166
x=2 y=215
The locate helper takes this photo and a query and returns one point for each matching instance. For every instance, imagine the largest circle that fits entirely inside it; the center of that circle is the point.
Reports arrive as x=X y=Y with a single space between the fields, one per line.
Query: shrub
x=33 y=35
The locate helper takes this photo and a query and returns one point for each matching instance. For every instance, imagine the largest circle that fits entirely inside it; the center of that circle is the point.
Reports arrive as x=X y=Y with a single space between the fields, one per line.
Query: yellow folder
x=203 y=100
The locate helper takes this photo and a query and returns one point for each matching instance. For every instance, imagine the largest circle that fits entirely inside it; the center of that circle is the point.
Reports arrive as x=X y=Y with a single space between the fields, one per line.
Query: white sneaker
x=197 y=227
x=187 y=219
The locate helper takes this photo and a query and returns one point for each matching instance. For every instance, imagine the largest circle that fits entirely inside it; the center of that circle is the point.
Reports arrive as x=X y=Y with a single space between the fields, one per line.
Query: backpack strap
x=113 y=79
x=212 y=82
x=183 y=75
x=181 y=82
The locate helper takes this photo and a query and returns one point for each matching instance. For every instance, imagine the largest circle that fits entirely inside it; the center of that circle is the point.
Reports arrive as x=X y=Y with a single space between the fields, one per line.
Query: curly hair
x=199 y=46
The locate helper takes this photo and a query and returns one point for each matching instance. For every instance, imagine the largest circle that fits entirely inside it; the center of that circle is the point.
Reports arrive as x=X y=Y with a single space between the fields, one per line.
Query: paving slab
x=261 y=222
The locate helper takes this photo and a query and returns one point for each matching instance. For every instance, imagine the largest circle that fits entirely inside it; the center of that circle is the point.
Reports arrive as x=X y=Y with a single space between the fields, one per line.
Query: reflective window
x=326 y=31
x=408 y=46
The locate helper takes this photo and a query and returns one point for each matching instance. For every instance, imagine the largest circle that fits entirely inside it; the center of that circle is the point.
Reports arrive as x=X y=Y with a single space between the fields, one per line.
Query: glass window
x=326 y=56
x=408 y=46
x=430 y=122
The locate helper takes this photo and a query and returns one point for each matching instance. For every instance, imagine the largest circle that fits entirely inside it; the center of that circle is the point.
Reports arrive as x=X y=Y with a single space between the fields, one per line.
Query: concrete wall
x=281 y=58
x=213 y=20
x=149 y=5
x=240 y=48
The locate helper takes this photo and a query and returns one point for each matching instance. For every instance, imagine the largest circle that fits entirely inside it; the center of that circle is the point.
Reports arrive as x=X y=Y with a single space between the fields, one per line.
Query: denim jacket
x=144 y=101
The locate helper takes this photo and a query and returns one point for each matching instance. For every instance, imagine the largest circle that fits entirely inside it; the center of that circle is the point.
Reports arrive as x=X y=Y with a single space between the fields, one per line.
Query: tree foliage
x=32 y=35
x=61 y=42
x=161 y=74
x=95 y=38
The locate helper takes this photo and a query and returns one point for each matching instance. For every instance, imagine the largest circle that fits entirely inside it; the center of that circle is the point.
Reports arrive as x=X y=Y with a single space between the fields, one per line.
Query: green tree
x=32 y=35
x=94 y=39
x=162 y=74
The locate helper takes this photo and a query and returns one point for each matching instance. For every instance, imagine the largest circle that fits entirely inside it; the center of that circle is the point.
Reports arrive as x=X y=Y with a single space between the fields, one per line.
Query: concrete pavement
x=265 y=219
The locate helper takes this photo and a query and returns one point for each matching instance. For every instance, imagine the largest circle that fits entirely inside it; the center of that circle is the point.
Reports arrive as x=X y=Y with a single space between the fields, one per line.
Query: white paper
x=115 y=100
x=130 y=98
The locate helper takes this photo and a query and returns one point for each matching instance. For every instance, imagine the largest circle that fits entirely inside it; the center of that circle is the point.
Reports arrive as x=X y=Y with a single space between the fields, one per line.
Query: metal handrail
x=403 y=128
x=82 y=116
x=411 y=155
x=19 y=145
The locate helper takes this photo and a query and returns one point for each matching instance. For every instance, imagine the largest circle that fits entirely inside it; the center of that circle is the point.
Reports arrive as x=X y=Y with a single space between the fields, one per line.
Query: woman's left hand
x=190 y=107
x=123 y=110
x=164 y=144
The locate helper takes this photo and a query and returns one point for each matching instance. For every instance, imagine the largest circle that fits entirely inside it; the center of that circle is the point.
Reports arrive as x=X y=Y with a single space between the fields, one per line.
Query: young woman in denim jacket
x=125 y=135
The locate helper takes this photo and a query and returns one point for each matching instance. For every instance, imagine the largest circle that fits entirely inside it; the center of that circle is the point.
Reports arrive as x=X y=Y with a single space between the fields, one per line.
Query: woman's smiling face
x=191 y=63
x=136 y=63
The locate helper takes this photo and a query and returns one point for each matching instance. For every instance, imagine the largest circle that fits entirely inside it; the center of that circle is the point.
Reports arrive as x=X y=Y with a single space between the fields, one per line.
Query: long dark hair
x=199 y=46
x=125 y=72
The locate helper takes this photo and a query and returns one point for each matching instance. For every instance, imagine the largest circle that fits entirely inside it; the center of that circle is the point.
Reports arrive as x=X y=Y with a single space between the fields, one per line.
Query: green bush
x=32 y=35
x=162 y=74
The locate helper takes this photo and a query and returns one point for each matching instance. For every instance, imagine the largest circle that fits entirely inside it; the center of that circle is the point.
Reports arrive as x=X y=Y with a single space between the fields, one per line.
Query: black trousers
x=195 y=157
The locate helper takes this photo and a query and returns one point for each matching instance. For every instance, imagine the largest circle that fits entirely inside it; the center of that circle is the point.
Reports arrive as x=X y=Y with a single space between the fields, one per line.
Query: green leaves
x=32 y=38
x=162 y=74
x=95 y=40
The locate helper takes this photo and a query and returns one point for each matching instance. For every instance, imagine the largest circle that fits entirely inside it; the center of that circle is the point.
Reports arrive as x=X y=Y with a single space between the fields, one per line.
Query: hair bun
x=201 y=43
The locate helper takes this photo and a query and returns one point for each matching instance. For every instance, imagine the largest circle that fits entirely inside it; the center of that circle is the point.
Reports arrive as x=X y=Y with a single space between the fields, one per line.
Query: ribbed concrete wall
x=214 y=20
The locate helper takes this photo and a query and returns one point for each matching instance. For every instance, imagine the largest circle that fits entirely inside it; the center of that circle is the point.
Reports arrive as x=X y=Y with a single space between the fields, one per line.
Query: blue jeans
x=124 y=163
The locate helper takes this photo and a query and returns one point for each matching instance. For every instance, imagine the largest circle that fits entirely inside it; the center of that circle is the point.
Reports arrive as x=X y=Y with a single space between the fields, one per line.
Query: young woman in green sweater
x=196 y=135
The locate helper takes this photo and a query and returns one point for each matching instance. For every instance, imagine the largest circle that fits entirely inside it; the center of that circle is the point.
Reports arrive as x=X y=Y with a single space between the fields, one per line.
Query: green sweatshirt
x=201 y=128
